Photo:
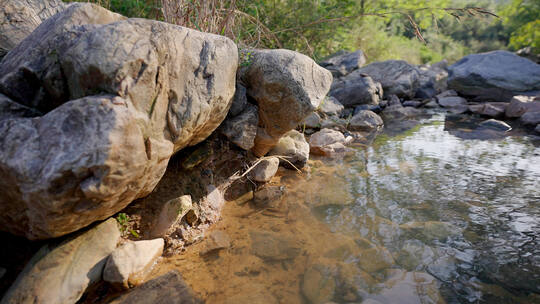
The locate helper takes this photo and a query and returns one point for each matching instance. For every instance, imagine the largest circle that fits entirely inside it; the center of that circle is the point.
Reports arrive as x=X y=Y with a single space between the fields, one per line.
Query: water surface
x=422 y=216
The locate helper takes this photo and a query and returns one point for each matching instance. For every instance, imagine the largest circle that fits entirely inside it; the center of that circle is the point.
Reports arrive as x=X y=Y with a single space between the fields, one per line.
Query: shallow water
x=421 y=216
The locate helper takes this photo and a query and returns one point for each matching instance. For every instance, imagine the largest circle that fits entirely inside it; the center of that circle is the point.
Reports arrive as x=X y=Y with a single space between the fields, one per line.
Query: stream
x=435 y=214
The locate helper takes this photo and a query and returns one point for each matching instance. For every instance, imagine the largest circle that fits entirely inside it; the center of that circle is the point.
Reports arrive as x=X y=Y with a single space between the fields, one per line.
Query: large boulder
x=496 y=76
x=343 y=64
x=431 y=82
x=61 y=274
x=356 y=89
x=396 y=77
x=21 y=17
x=287 y=86
x=110 y=118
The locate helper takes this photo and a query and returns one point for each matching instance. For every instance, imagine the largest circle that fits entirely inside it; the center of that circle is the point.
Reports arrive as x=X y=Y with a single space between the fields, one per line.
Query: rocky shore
x=121 y=139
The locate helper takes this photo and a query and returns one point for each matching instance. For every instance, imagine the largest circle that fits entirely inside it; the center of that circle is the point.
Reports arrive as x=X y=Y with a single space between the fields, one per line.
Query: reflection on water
x=418 y=217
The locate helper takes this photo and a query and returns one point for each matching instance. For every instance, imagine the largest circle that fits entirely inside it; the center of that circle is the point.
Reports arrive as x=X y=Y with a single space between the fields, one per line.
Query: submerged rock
x=365 y=121
x=355 y=89
x=294 y=147
x=287 y=86
x=268 y=197
x=396 y=77
x=21 y=17
x=411 y=287
x=113 y=116
x=169 y=288
x=265 y=170
x=128 y=264
x=496 y=76
x=217 y=240
x=318 y=283
x=273 y=246
x=61 y=274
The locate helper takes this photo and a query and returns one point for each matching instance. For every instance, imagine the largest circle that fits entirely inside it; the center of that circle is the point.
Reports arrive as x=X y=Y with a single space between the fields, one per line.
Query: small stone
x=331 y=106
x=294 y=147
x=171 y=213
x=313 y=121
x=496 y=125
x=448 y=93
x=217 y=240
x=412 y=103
x=239 y=102
x=522 y=104
x=495 y=109
x=268 y=196
x=333 y=122
x=327 y=142
x=393 y=100
x=365 y=121
x=192 y=217
x=265 y=169
x=130 y=262
x=242 y=129
x=531 y=118
x=431 y=104
x=452 y=101
x=537 y=129
x=375 y=259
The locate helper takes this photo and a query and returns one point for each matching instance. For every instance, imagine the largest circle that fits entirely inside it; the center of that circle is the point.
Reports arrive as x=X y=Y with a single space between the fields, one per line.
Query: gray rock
x=431 y=104
x=522 y=104
x=497 y=75
x=170 y=215
x=372 y=108
x=21 y=17
x=355 y=89
x=412 y=103
x=268 y=197
x=294 y=147
x=273 y=246
x=396 y=77
x=169 y=288
x=537 y=129
x=365 y=121
x=287 y=86
x=327 y=142
x=239 y=102
x=331 y=106
x=399 y=112
x=431 y=82
x=447 y=93
x=265 y=170
x=491 y=109
x=88 y=157
x=215 y=241
x=452 y=101
x=393 y=100
x=242 y=129
x=61 y=274
x=313 y=121
x=530 y=118
x=131 y=261
x=342 y=65
x=334 y=122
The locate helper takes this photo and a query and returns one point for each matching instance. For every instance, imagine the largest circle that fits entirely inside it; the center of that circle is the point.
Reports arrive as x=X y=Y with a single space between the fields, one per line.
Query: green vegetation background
x=380 y=28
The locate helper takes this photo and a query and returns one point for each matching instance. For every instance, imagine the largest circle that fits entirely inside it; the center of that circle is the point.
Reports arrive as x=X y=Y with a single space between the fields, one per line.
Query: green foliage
x=129 y=8
x=123 y=220
x=521 y=19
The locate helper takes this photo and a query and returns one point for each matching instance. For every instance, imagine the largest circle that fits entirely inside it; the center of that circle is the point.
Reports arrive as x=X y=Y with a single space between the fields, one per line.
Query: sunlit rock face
x=97 y=105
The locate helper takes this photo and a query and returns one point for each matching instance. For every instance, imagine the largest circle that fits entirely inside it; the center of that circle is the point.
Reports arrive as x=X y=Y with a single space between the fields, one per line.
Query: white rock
x=128 y=264
x=265 y=170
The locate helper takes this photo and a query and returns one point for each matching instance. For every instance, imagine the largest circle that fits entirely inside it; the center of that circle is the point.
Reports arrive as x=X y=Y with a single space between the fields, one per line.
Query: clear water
x=422 y=216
